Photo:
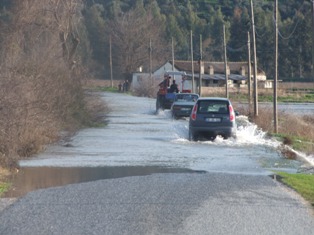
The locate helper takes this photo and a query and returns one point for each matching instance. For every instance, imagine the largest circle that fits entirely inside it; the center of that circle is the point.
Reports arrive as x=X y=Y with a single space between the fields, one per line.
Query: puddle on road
x=31 y=178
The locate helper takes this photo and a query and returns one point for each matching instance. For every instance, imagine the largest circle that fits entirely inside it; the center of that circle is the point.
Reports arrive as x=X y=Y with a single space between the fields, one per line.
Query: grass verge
x=4 y=184
x=108 y=89
x=301 y=183
x=304 y=145
x=3 y=187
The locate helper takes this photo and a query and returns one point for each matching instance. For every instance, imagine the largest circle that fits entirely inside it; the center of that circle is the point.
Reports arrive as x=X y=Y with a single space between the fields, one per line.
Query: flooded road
x=301 y=108
x=137 y=141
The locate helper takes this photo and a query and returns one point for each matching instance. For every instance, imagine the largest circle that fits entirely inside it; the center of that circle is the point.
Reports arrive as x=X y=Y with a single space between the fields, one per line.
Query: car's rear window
x=213 y=106
x=186 y=97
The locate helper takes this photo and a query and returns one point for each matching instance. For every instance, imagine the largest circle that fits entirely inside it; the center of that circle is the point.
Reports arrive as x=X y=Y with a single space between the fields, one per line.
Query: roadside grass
x=4 y=187
x=295 y=98
x=301 y=183
x=108 y=89
x=305 y=98
x=297 y=143
x=4 y=184
x=266 y=95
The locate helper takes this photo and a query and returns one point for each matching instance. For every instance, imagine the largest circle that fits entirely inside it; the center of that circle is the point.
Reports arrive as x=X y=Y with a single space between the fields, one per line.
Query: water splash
x=250 y=133
x=307 y=159
x=164 y=113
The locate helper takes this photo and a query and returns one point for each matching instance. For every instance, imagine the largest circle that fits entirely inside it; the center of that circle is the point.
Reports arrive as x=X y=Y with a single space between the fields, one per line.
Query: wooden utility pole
x=249 y=71
x=110 y=61
x=276 y=68
x=150 y=61
x=200 y=64
x=172 y=50
x=255 y=63
x=312 y=67
x=226 y=63
x=192 y=63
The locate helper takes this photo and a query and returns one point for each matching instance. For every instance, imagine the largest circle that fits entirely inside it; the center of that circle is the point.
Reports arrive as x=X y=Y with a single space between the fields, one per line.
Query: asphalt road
x=183 y=203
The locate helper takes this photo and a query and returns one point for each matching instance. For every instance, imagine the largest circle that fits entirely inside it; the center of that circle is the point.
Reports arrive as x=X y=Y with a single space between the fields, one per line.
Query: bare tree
x=40 y=92
x=131 y=34
x=67 y=15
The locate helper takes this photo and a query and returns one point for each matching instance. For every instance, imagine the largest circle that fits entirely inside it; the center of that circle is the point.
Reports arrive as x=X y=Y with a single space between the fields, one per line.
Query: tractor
x=165 y=96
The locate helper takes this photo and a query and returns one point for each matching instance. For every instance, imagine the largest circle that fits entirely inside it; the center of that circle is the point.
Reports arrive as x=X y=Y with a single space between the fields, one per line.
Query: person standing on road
x=125 y=86
x=174 y=87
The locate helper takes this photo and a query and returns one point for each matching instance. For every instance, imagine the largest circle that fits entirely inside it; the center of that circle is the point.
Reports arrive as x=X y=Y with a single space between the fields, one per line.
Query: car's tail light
x=193 y=114
x=231 y=112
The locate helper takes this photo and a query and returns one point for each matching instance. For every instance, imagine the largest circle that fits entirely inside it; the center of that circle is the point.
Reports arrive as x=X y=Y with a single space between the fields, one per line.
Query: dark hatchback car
x=183 y=104
x=211 y=117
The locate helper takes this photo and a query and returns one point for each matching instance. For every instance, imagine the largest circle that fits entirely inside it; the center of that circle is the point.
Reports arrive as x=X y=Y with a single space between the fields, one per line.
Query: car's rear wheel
x=234 y=135
x=225 y=137
x=192 y=137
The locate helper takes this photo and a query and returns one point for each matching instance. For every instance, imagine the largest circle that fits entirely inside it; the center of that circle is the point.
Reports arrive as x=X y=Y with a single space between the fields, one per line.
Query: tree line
x=132 y=24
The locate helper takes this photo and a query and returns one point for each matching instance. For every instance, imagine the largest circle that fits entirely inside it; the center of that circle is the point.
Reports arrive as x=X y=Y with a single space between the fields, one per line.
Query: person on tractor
x=163 y=86
x=174 y=87
x=165 y=83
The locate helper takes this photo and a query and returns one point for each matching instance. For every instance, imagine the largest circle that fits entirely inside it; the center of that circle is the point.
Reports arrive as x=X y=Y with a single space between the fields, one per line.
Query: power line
x=296 y=25
x=237 y=49
x=291 y=34
x=258 y=35
x=293 y=19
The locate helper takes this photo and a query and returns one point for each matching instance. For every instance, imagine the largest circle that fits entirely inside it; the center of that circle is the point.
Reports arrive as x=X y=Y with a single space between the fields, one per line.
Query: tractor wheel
x=157 y=106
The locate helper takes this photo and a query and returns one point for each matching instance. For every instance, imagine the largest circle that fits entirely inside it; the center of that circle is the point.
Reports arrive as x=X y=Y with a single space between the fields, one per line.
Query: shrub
x=145 y=88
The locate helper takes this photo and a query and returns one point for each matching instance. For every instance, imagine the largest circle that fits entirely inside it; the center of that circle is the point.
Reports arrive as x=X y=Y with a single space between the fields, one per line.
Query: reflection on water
x=32 y=178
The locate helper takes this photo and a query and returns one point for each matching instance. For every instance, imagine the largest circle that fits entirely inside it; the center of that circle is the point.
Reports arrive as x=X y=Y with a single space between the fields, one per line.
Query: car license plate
x=185 y=109
x=213 y=119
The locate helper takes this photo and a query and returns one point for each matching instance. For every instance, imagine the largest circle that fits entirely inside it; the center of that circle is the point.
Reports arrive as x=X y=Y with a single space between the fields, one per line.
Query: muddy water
x=137 y=141
x=32 y=178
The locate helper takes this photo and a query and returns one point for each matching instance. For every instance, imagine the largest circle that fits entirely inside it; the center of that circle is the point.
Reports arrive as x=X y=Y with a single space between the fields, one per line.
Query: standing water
x=137 y=141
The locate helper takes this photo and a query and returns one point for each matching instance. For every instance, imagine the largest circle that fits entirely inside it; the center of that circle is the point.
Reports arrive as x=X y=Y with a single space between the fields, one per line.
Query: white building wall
x=157 y=76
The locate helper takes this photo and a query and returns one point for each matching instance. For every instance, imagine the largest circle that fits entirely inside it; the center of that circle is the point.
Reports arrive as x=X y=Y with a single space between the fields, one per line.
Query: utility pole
x=200 y=64
x=110 y=61
x=255 y=63
x=225 y=58
x=249 y=70
x=172 y=49
x=312 y=66
x=276 y=68
x=192 y=63
x=150 y=61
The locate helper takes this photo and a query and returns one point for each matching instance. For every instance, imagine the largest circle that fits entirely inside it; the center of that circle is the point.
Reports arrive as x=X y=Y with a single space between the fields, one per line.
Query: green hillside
x=133 y=24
